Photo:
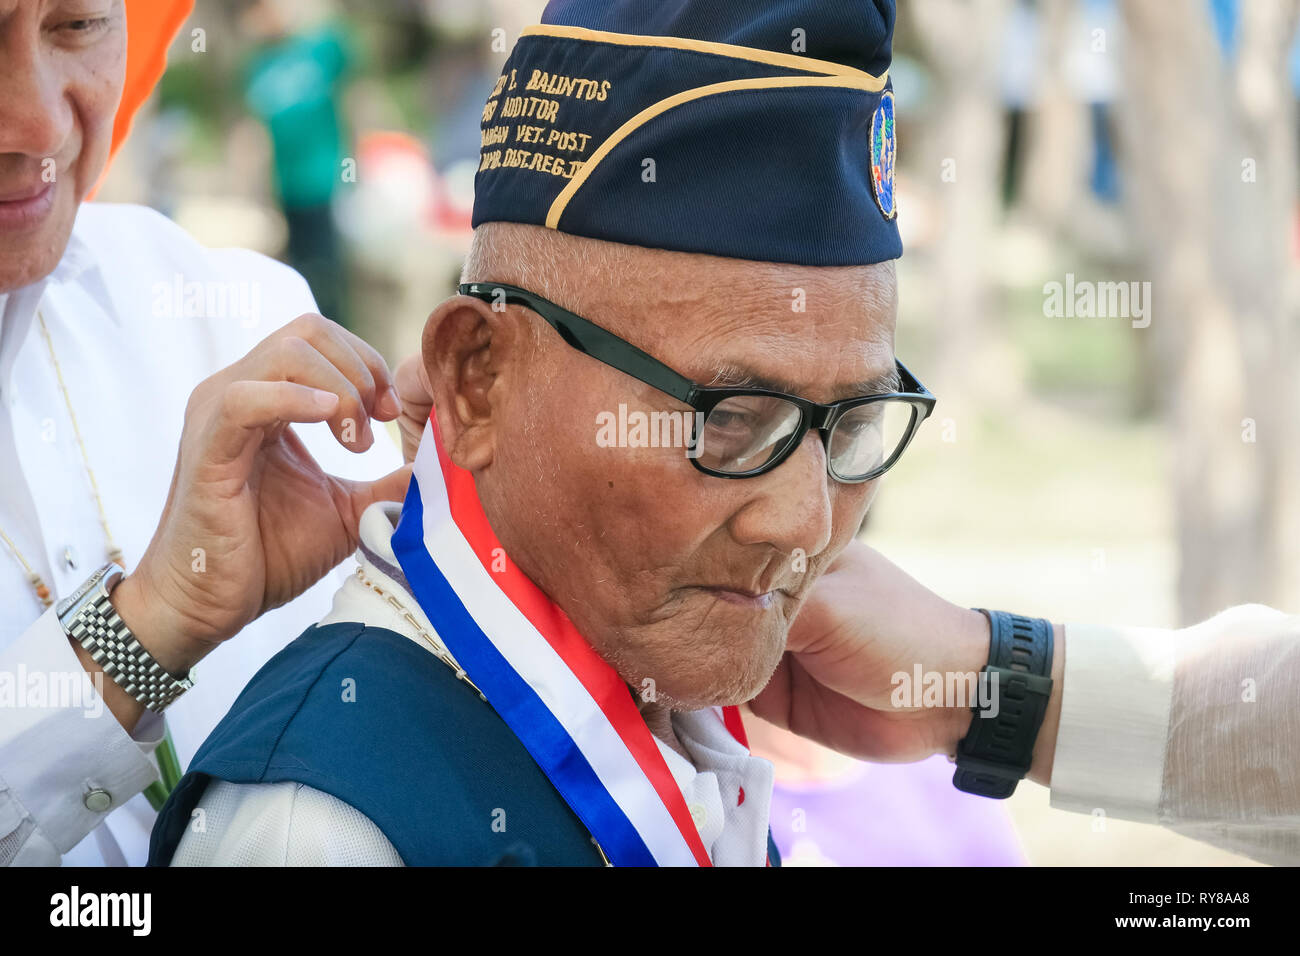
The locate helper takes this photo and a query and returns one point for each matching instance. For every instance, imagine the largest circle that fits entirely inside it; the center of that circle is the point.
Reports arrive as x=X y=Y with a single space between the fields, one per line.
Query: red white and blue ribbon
x=569 y=708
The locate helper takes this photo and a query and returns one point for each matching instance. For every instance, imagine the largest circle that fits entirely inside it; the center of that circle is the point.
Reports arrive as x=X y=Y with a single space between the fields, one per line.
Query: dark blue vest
x=416 y=750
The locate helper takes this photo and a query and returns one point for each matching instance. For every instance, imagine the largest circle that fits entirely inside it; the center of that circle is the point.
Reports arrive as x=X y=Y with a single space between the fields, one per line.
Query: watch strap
x=90 y=619
x=997 y=751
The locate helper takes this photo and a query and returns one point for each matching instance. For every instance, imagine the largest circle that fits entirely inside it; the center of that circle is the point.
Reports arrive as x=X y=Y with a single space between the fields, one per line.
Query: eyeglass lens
x=745 y=432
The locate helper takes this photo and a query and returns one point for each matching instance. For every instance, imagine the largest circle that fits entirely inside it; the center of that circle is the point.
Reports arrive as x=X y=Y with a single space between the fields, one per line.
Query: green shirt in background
x=293 y=86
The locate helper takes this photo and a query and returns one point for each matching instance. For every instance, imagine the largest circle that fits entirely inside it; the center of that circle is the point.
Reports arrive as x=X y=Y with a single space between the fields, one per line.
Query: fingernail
x=325 y=399
x=391 y=402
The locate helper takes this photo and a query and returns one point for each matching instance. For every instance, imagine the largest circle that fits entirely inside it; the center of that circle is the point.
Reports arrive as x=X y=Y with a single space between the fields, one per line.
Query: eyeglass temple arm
x=592 y=339
x=607 y=347
x=911 y=384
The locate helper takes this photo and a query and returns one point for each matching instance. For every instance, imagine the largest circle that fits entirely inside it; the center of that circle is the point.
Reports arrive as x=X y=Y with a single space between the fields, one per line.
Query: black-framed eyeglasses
x=741 y=432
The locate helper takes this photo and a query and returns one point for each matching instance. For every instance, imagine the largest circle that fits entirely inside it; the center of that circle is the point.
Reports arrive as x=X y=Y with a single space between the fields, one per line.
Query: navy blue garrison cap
x=754 y=130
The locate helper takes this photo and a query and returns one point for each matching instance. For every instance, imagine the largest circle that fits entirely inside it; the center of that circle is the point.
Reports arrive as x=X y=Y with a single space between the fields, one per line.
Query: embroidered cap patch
x=882 y=155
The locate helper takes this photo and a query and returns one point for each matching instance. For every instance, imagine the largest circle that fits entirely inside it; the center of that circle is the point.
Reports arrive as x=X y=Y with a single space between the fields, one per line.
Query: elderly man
x=549 y=573
x=122 y=338
x=661 y=401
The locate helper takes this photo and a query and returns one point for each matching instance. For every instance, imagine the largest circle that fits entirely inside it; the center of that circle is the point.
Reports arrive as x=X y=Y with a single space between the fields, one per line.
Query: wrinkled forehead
x=822 y=332
x=714 y=319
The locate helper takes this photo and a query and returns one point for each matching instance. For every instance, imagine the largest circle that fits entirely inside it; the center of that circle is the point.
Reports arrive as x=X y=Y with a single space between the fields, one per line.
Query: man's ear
x=469 y=348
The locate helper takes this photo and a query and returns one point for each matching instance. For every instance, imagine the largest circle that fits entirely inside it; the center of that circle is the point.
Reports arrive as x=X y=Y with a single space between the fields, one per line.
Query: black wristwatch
x=998 y=749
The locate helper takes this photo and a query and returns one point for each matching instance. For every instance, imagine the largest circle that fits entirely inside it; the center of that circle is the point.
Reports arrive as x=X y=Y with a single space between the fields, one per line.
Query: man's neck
x=659 y=718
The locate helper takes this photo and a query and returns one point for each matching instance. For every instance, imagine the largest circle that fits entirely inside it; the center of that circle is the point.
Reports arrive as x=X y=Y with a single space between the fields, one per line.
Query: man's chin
x=720 y=679
x=27 y=256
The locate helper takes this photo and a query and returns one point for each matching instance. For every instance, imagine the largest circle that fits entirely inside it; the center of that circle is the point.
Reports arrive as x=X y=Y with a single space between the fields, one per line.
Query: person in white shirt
x=122 y=340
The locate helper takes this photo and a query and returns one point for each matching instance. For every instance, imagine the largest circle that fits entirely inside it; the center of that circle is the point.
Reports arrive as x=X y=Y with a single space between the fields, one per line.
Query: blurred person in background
x=294 y=82
x=123 y=562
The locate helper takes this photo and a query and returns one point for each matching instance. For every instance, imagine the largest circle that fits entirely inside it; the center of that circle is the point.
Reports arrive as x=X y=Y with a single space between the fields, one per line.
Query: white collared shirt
x=138 y=313
x=291 y=824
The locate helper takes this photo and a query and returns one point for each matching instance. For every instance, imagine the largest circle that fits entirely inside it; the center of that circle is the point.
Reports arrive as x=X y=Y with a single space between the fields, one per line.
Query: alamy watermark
x=234 y=299
x=1086 y=299
x=638 y=429
x=59 y=689
x=131 y=911
x=946 y=689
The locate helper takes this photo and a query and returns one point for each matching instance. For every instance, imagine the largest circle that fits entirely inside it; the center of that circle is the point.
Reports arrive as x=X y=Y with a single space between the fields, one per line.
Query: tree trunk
x=1210 y=169
x=963 y=152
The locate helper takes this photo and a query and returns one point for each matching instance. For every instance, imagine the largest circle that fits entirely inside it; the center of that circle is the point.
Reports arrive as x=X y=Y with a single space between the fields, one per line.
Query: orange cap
x=150 y=27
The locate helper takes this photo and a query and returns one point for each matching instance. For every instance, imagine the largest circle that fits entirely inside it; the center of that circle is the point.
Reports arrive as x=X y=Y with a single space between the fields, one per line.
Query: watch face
x=67 y=603
x=110 y=573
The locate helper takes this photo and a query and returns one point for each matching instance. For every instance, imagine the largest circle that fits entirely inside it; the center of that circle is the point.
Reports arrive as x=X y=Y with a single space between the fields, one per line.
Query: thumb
x=391 y=487
x=416 y=394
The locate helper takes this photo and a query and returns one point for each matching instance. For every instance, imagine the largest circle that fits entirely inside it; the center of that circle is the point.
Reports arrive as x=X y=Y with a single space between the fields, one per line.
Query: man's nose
x=35 y=114
x=791 y=508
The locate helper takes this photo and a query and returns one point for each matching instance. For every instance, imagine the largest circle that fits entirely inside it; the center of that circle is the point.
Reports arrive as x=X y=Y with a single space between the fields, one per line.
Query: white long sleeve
x=94 y=752
x=1196 y=729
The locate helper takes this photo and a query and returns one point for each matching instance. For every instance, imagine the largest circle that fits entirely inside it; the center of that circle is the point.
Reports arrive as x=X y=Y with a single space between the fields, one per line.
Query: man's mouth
x=24 y=207
x=753 y=600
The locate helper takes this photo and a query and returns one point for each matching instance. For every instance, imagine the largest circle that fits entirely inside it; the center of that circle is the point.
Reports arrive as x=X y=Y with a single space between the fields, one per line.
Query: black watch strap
x=996 y=752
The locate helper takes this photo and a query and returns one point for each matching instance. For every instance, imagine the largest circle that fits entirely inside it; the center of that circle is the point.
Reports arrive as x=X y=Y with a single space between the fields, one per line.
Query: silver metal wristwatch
x=89 y=618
